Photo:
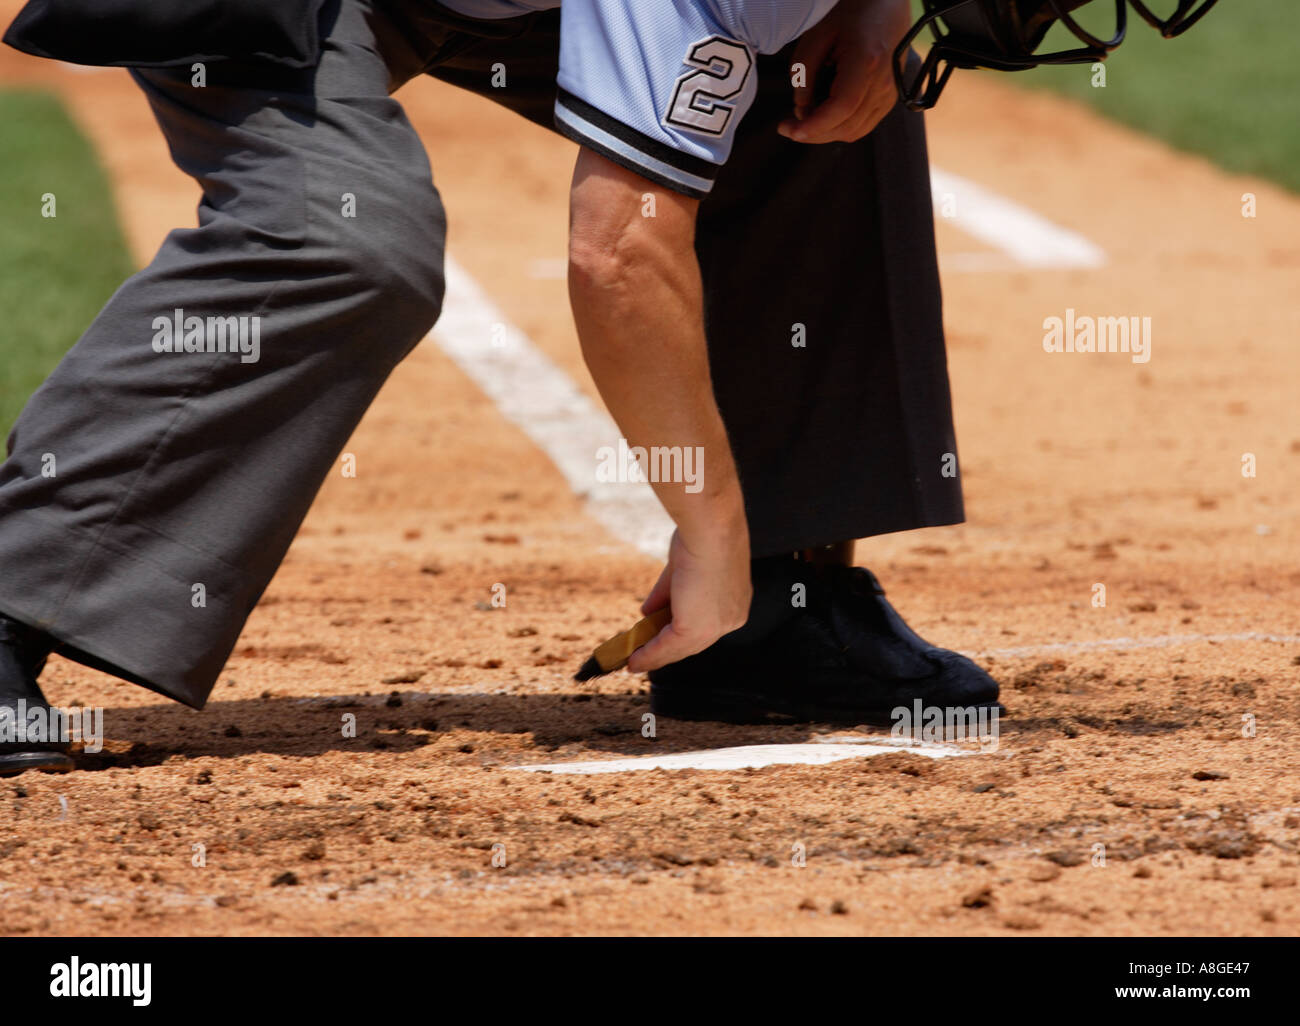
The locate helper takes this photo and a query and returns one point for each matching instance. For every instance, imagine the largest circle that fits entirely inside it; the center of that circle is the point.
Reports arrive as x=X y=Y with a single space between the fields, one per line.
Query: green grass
x=1228 y=89
x=55 y=272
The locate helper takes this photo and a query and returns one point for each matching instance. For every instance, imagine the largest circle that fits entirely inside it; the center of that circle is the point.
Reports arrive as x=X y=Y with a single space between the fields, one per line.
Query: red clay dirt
x=1078 y=469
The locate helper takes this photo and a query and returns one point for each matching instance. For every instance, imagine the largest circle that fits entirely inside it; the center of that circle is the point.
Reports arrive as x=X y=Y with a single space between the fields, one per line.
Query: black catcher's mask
x=1005 y=34
x=1187 y=14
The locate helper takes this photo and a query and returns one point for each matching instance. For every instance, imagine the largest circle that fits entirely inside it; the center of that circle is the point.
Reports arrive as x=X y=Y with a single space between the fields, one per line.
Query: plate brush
x=614 y=653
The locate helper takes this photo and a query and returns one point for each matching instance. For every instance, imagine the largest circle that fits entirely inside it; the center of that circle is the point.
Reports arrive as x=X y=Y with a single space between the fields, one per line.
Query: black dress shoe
x=847 y=657
x=22 y=657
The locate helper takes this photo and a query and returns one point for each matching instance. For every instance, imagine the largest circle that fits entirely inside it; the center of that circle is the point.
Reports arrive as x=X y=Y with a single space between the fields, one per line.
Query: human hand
x=709 y=589
x=858 y=38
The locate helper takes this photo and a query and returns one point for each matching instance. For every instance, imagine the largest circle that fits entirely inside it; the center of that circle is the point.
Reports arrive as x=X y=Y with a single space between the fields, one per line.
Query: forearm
x=638 y=305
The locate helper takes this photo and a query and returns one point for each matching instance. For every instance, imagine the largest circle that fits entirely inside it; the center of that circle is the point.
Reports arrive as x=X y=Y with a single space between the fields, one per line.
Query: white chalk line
x=1028 y=239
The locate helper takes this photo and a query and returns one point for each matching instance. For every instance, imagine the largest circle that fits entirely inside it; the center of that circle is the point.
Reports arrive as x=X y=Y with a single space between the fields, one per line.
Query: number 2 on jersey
x=700 y=101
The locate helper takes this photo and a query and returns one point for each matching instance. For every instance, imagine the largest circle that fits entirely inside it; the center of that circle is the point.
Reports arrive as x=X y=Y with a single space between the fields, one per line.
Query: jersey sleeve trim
x=662 y=164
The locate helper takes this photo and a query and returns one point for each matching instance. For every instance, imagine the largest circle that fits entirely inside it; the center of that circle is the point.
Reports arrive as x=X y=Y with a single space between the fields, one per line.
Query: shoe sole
x=740 y=707
x=46 y=762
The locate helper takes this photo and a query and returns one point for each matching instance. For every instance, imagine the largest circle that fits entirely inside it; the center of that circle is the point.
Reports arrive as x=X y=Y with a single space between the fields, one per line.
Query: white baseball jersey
x=660 y=85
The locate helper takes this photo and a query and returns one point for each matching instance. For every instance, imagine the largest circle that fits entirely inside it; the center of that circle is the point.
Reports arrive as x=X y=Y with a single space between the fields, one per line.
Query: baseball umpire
x=792 y=231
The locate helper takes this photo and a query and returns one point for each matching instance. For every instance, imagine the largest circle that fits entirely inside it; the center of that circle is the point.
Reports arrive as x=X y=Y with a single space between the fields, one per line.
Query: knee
x=393 y=250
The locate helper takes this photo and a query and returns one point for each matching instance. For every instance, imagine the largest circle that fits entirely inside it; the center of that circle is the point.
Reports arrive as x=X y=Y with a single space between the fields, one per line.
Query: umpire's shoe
x=22 y=657
x=847 y=657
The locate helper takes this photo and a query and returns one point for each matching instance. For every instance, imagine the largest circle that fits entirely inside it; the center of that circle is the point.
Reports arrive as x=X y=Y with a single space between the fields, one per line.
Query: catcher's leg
x=181 y=476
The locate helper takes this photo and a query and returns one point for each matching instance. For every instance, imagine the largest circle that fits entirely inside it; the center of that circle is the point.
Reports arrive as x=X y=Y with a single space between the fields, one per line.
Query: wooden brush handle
x=614 y=653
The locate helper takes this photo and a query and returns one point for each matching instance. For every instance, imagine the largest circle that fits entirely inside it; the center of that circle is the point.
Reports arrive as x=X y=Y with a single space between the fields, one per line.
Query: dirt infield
x=1079 y=469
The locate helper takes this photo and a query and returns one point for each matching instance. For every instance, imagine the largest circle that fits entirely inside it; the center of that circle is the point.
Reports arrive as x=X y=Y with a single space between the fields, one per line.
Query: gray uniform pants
x=187 y=473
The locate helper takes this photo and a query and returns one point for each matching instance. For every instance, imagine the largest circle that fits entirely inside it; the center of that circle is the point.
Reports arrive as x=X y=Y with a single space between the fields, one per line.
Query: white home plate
x=811 y=753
